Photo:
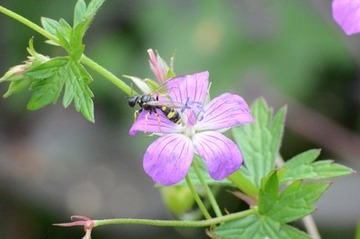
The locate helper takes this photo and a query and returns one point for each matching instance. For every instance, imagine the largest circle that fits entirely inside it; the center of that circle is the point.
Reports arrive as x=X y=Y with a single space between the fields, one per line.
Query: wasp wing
x=166 y=104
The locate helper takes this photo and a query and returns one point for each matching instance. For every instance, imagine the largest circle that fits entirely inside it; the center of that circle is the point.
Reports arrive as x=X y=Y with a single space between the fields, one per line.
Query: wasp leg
x=157 y=116
x=136 y=114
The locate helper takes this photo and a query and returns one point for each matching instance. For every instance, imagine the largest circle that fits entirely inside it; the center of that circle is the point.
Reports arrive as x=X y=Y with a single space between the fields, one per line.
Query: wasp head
x=132 y=101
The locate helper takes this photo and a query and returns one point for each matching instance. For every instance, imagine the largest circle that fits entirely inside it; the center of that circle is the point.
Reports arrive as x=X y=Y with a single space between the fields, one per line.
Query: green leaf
x=50 y=25
x=76 y=38
x=63 y=32
x=46 y=91
x=94 y=6
x=302 y=166
x=296 y=200
x=76 y=89
x=83 y=16
x=275 y=209
x=258 y=227
x=49 y=79
x=47 y=82
x=260 y=141
x=269 y=192
x=71 y=38
x=46 y=69
x=79 y=12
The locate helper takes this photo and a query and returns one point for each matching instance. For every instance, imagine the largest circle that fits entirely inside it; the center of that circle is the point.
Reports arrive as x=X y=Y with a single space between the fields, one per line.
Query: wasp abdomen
x=171 y=114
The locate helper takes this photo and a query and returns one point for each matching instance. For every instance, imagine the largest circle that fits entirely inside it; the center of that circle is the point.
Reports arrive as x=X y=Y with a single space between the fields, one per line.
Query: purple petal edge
x=225 y=111
x=222 y=156
x=167 y=159
x=189 y=88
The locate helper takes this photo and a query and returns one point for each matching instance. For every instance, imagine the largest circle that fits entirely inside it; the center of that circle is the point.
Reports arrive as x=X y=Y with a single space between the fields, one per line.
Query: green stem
x=107 y=74
x=84 y=59
x=175 y=223
x=244 y=185
x=197 y=198
x=208 y=191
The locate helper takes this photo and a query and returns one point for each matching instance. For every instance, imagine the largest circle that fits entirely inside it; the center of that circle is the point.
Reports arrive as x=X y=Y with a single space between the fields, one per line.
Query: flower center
x=189 y=130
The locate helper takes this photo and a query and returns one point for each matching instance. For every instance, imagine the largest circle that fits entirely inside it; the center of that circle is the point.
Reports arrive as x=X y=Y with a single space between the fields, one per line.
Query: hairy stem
x=208 y=191
x=175 y=223
x=197 y=198
x=107 y=74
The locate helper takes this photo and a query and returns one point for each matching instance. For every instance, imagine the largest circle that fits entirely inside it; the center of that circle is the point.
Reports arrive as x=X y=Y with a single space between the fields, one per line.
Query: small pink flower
x=82 y=221
x=347 y=14
x=167 y=159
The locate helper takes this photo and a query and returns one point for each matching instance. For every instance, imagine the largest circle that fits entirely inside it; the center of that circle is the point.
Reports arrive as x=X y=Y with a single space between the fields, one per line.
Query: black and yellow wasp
x=151 y=104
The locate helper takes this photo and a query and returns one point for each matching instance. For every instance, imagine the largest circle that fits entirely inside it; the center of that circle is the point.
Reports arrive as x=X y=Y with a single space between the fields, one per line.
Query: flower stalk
x=197 y=198
x=176 y=223
x=208 y=191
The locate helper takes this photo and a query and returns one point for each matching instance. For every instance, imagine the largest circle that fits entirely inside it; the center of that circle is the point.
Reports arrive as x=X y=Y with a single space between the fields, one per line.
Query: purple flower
x=167 y=159
x=347 y=14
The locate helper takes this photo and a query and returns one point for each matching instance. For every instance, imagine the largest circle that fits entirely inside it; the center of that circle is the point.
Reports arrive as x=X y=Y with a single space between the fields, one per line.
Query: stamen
x=197 y=111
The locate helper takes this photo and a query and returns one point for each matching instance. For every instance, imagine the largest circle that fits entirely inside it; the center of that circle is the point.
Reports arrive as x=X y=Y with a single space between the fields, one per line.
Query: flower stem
x=175 y=223
x=197 y=198
x=244 y=185
x=107 y=74
x=84 y=59
x=208 y=191
x=311 y=227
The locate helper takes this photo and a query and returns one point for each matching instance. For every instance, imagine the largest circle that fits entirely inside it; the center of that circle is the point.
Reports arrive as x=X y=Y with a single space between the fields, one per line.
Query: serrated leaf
x=296 y=200
x=302 y=166
x=76 y=89
x=49 y=79
x=269 y=192
x=257 y=227
x=50 y=25
x=275 y=209
x=297 y=203
x=63 y=33
x=77 y=47
x=94 y=6
x=46 y=69
x=46 y=91
x=260 y=141
x=79 y=12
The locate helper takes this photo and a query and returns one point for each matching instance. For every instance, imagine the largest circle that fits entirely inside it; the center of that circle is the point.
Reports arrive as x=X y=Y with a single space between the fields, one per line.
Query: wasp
x=152 y=104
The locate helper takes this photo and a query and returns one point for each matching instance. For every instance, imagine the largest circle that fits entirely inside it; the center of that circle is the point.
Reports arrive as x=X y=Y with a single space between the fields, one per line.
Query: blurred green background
x=54 y=164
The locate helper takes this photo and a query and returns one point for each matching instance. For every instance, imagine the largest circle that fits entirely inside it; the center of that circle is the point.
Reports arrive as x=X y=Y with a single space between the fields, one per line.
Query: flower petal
x=224 y=111
x=158 y=66
x=347 y=14
x=221 y=155
x=189 y=88
x=153 y=123
x=167 y=159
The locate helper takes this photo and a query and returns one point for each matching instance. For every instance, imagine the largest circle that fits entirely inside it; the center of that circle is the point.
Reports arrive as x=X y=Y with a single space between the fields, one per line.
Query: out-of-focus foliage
x=286 y=44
